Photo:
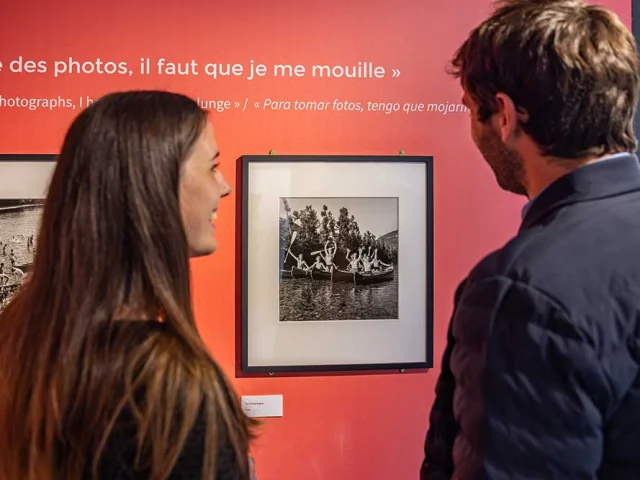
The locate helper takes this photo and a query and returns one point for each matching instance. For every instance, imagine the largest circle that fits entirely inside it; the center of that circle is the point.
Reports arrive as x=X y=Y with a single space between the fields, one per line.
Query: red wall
x=334 y=428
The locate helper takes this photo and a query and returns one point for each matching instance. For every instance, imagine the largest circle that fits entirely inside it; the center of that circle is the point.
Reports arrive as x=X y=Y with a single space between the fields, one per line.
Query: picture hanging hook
x=401 y=152
x=272 y=152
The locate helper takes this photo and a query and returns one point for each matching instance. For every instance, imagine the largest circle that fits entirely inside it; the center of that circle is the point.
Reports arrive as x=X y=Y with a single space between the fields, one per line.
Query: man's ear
x=507 y=118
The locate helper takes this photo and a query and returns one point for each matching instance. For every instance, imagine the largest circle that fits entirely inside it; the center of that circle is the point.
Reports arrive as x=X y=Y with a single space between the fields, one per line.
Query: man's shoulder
x=587 y=266
x=597 y=236
x=519 y=260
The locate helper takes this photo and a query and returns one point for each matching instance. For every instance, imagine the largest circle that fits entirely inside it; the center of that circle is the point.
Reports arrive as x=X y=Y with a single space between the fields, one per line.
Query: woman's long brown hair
x=111 y=241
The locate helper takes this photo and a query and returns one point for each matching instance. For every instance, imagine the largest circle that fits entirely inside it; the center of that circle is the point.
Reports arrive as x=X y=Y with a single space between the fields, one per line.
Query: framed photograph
x=24 y=180
x=336 y=258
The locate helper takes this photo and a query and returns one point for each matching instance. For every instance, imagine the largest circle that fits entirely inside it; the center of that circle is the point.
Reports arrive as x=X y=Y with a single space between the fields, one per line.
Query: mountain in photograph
x=389 y=239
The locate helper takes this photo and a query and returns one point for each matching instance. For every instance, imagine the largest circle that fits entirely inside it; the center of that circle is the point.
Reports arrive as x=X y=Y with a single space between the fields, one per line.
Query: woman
x=329 y=253
x=377 y=262
x=103 y=372
x=318 y=265
x=354 y=259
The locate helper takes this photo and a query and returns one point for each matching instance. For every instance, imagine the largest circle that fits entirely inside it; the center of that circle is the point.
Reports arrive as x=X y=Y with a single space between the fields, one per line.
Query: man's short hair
x=571 y=66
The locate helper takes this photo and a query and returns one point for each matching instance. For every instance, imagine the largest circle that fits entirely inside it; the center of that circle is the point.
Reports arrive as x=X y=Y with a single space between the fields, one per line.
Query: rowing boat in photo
x=361 y=278
x=294 y=272
x=320 y=275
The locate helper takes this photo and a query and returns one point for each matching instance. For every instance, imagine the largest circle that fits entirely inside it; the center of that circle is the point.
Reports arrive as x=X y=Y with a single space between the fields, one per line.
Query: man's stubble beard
x=507 y=164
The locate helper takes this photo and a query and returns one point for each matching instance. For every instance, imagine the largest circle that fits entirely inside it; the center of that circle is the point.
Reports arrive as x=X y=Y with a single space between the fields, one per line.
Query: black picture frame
x=28 y=157
x=243 y=366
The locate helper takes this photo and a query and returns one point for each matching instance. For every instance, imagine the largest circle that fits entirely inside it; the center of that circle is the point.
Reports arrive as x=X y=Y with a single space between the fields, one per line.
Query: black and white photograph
x=19 y=224
x=339 y=259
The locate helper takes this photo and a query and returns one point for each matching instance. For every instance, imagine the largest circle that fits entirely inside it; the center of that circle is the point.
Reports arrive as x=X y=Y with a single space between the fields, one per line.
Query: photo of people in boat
x=19 y=224
x=338 y=259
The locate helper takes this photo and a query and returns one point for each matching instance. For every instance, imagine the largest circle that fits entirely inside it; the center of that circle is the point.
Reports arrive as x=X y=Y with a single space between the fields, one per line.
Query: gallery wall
x=339 y=427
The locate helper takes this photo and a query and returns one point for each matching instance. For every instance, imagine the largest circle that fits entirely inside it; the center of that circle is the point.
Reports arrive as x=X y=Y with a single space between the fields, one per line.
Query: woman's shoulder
x=118 y=458
x=142 y=343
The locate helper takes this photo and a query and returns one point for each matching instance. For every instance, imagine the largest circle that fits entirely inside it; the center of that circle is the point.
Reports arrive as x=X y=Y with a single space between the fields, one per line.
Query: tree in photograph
x=328 y=227
x=313 y=231
x=308 y=238
x=368 y=240
x=348 y=231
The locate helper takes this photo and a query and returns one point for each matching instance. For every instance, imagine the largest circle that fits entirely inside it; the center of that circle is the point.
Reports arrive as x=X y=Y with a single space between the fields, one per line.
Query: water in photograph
x=303 y=299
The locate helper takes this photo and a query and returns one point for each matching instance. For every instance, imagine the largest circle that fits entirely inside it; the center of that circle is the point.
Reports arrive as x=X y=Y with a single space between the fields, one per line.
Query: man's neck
x=543 y=171
x=541 y=178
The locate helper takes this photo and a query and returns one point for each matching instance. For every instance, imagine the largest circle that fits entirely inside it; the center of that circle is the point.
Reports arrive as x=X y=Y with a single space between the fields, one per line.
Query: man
x=540 y=376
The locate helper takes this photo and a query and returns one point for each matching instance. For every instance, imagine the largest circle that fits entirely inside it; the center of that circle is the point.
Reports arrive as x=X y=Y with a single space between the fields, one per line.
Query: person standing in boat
x=329 y=253
x=354 y=260
x=377 y=262
x=366 y=261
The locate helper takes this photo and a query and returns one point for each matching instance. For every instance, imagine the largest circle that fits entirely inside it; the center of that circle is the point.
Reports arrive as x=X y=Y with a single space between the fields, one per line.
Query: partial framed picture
x=24 y=181
x=337 y=263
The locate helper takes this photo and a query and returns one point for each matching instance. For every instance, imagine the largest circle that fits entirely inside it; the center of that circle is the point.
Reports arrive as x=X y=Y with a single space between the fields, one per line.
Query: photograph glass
x=19 y=224
x=24 y=180
x=336 y=257
x=340 y=259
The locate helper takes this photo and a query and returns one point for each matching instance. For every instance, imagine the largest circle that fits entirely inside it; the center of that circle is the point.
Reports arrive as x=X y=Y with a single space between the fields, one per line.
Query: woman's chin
x=203 y=248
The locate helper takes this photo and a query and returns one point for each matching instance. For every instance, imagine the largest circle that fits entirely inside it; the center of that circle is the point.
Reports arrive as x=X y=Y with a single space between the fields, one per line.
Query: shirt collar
x=527 y=206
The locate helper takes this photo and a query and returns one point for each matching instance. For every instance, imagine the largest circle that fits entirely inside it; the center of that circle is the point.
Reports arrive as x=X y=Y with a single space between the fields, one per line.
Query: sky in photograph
x=379 y=215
